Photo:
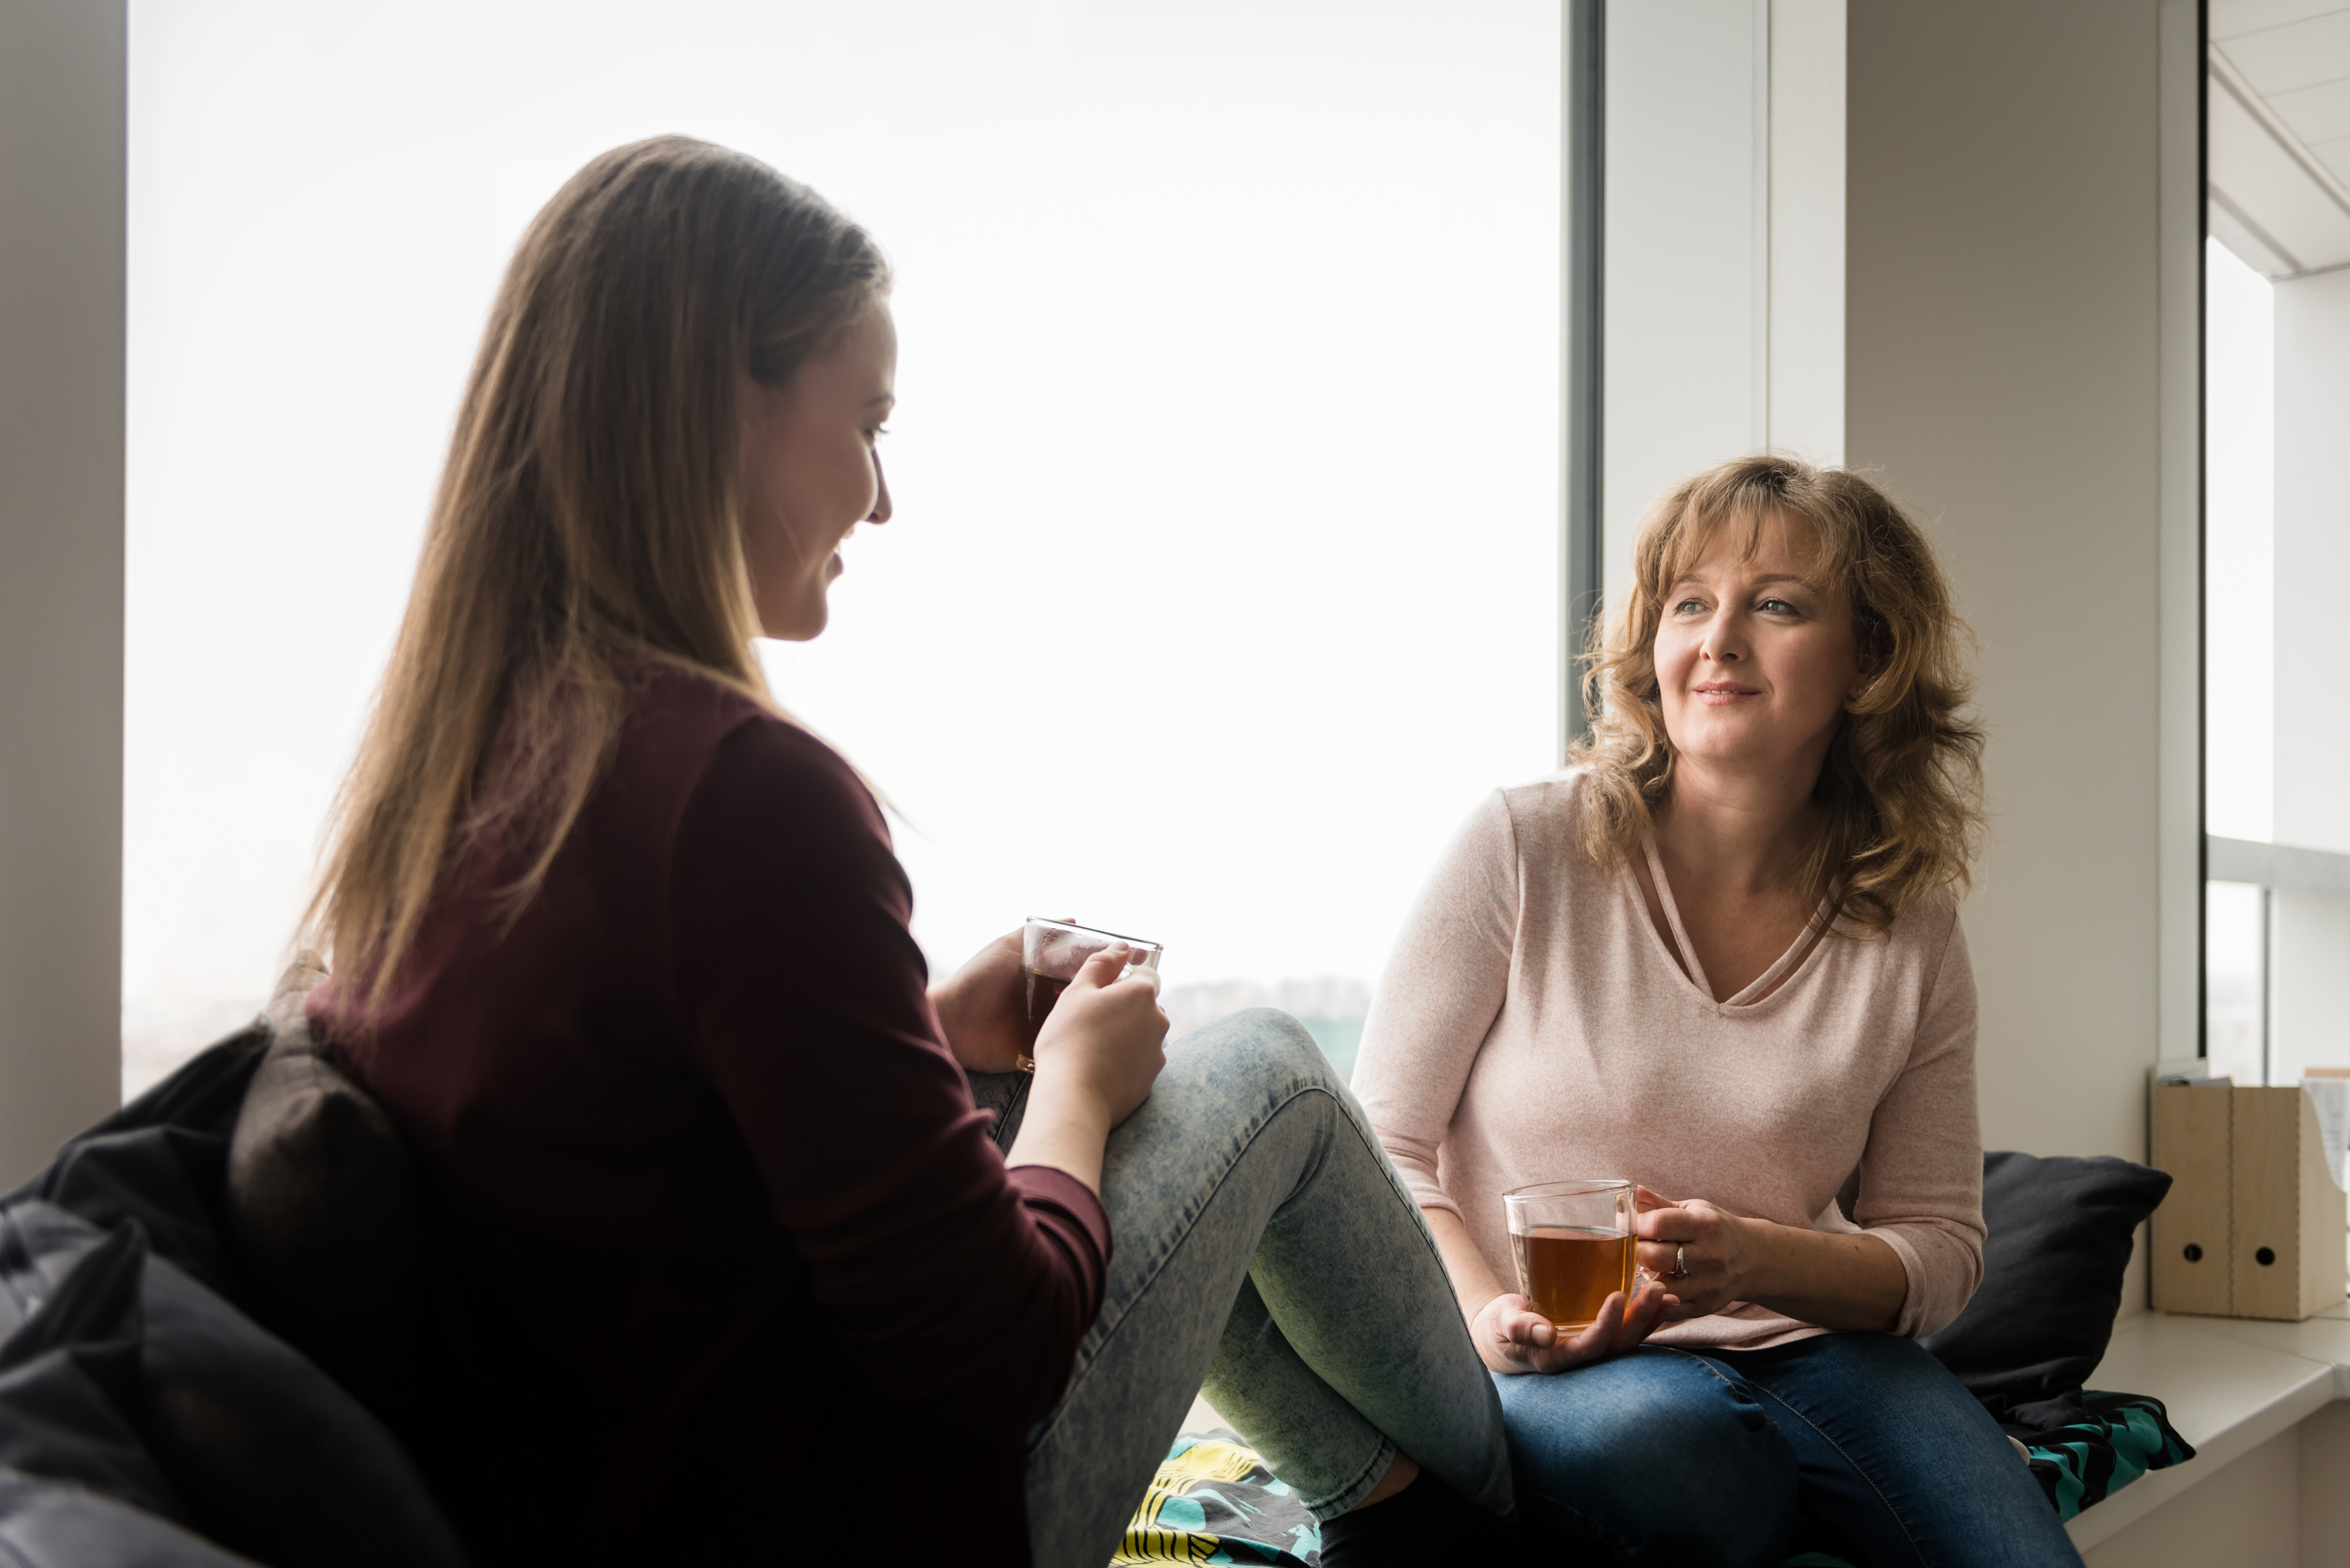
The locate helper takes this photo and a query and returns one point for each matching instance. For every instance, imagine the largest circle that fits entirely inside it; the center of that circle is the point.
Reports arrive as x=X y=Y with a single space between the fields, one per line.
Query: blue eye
x=1777 y=607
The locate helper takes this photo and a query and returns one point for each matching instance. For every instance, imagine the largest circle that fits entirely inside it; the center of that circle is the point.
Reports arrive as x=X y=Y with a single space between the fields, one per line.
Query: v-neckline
x=1763 y=986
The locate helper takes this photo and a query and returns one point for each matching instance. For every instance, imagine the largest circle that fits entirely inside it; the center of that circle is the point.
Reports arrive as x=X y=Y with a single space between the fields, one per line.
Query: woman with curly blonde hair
x=1719 y=954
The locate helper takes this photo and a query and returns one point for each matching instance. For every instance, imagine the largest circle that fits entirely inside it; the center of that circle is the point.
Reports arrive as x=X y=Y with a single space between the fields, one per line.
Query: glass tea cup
x=1572 y=1241
x=1051 y=953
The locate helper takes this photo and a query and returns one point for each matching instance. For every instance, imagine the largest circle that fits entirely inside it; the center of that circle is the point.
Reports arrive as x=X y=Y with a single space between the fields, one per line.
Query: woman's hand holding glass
x=1706 y=1256
x=1105 y=1038
x=983 y=1011
x=1097 y=1058
x=1511 y=1336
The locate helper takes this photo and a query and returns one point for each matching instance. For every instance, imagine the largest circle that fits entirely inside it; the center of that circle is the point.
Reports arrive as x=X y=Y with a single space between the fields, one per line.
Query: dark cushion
x=326 y=1224
x=271 y=1458
x=161 y=1159
x=2060 y=1236
x=69 y=1369
x=78 y=1486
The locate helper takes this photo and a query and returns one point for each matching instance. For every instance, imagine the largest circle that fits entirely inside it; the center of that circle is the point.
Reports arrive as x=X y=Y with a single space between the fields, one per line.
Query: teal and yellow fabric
x=1213 y=1500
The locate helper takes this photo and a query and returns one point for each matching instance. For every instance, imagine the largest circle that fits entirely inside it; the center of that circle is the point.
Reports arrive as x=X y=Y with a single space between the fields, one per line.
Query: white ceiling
x=2279 y=132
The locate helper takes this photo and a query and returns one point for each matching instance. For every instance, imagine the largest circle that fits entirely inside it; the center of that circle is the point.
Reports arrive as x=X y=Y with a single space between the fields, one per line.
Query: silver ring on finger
x=1680 y=1262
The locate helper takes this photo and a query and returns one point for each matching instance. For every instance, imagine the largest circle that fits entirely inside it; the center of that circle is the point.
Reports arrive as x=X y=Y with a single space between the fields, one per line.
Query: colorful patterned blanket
x=1214 y=1500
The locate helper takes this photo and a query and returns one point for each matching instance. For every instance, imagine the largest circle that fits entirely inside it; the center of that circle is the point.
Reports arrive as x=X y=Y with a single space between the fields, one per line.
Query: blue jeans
x=1263 y=1248
x=1861 y=1444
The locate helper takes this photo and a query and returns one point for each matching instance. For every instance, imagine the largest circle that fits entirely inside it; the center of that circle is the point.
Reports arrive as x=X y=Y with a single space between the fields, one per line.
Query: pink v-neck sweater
x=1532 y=1026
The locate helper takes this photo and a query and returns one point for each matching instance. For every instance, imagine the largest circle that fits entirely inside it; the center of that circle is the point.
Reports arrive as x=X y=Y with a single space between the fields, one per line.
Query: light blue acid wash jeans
x=1262 y=1247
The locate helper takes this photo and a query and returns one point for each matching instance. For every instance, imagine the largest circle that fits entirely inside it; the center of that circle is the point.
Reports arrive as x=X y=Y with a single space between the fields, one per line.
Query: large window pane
x=2236 y=975
x=2239 y=548
x=1223 y=577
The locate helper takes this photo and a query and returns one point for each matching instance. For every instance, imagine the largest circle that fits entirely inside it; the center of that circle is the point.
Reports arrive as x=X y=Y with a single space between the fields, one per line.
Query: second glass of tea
x=1051 y=953
x=1572 y=1244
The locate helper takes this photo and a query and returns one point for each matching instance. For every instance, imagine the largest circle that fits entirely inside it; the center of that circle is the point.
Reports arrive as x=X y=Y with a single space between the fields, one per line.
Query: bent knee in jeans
x=1264 y=1039
x=1654 y=1456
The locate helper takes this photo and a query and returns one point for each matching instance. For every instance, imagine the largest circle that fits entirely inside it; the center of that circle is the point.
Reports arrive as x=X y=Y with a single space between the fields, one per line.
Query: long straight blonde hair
x=1902 y=783
x=587 y=524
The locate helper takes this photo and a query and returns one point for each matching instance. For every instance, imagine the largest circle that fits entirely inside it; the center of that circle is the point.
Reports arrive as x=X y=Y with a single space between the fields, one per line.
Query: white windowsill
x=2229 y=1384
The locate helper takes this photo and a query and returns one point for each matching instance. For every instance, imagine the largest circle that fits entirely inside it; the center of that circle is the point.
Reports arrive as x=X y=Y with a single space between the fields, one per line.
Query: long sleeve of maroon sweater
x=727 y=1268
x=921 y=1247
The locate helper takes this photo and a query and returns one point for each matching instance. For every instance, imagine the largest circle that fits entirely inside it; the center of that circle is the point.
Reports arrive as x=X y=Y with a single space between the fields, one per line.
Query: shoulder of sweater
x=1925 y=932
x=1933 y=920
x=710 y=737
x=680 y=700
x=1553 y=798
x=1541 y=811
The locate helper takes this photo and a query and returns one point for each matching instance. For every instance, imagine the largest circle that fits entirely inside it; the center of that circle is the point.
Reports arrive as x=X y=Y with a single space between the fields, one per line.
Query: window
x=1224 y=576
x=2277 y=546
x=2240 y=649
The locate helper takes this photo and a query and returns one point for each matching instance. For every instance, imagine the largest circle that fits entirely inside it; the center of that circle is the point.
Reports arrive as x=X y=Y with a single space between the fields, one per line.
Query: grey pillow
x=326 y=1220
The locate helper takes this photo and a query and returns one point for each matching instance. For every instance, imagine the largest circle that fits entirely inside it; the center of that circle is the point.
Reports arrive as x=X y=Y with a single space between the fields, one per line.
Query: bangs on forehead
x=1740 y=517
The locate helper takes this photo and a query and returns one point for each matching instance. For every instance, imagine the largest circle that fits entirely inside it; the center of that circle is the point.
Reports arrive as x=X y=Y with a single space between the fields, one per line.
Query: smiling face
x=811 y=473
x=1755 y=661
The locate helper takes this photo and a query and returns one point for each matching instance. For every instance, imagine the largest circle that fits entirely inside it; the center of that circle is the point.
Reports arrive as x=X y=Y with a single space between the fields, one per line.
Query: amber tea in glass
x=1572 y=1241
x=1051 y=953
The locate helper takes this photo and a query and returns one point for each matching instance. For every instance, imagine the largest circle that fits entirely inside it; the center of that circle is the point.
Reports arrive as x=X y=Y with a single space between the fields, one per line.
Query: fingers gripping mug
x=1572 y=1241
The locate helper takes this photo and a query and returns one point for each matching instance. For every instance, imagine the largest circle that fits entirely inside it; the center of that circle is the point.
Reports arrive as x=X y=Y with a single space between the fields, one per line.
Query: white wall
x=1724 y=297
x=1681 y=266
x=2248 y=1512
x=2020 y=353
x=61 y=153
x=1960 y=245
x=2285 y=1504
x=1805 y=412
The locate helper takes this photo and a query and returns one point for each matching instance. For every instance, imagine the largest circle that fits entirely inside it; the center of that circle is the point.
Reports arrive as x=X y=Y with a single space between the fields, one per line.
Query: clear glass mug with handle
x=1572 y=1241
x=1051 y=953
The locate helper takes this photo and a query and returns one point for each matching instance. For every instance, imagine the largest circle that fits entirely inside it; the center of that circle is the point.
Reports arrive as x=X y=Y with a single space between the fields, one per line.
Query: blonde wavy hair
x=1902 y=784
x=588 y=524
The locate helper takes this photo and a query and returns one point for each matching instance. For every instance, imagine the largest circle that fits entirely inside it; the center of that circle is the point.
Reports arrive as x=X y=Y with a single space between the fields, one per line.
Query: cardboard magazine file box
x=2254 y=1224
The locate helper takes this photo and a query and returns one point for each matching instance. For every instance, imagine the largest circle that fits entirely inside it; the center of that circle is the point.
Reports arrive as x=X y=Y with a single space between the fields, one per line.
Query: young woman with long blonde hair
x=730 y=1267
x=1720 y=955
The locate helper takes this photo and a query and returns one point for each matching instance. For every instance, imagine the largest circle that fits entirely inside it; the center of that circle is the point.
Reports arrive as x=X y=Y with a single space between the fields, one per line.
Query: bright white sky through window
x=2238 y=644
x=1223 y=577
x=2238 y=547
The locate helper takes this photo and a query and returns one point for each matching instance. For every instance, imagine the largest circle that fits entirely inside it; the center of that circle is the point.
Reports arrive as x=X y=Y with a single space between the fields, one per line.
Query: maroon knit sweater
x=726 y=1268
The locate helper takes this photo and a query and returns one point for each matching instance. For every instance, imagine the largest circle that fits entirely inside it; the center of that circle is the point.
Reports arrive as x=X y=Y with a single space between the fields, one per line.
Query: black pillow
x=160 y=1161
x=326 y=1225
x=272 y=1458
x=156 y=1177
x=69 y=1368
x=2060 y=1236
